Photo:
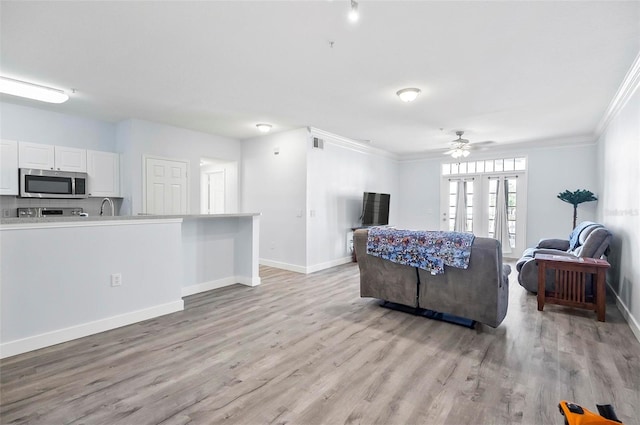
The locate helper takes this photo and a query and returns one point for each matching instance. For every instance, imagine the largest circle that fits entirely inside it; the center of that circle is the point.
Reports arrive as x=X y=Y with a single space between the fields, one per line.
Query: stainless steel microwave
x=52 y=184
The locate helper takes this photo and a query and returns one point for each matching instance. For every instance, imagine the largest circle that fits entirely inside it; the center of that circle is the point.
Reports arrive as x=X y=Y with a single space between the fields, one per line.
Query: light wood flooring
x=306 y=349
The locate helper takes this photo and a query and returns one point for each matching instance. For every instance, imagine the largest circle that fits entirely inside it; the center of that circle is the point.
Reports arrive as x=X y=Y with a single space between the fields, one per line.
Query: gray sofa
x=480 y=292
x=588 y=239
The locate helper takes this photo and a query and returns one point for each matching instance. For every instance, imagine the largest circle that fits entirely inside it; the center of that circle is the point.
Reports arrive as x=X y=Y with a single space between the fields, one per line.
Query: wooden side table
x=570 y=282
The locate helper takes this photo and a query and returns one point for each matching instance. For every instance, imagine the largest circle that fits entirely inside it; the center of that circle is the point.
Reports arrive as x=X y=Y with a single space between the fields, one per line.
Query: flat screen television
x=375 y=209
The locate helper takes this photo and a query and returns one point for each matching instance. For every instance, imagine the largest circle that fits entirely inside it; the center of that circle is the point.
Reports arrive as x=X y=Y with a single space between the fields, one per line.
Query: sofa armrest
x=552 y=252
x=559 y=244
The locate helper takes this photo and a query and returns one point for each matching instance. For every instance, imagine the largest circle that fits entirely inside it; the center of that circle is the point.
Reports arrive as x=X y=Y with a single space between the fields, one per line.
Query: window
x=484 y=166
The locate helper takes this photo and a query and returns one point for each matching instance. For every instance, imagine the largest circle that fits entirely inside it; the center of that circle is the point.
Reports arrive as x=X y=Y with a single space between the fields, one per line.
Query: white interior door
x=216 y=192
x=481 y=206
x=166 y=186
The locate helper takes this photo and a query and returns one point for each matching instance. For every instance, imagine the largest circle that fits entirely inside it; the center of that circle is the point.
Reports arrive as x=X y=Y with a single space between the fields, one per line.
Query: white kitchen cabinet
x=70 y=159
x=36 y=155
x=103 y=169
x=49 y=157
x=8 y=167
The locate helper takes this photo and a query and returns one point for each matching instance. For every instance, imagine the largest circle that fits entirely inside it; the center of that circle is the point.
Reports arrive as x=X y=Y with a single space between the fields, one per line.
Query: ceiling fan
x=460 y=147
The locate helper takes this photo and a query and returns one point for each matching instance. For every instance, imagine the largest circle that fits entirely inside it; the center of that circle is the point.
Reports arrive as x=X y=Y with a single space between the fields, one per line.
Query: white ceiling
x=506 y=71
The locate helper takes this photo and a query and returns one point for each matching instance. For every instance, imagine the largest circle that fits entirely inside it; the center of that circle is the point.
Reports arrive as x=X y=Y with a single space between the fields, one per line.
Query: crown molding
x=519 y=148
x=629 y=85
x=348 y=143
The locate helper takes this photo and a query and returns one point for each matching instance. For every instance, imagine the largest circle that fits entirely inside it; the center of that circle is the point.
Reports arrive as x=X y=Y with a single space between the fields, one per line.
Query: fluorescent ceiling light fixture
x=264 y=128
x=353 y=13
x=32 y=91
x=408 y=95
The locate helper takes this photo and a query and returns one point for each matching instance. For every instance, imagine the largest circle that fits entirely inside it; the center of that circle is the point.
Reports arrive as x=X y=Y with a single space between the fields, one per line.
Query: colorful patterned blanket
x=428 y=250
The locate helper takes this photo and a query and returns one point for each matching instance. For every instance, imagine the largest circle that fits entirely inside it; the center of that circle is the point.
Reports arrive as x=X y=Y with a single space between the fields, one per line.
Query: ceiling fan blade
x=485 y=143
x=460 y=141
x=481 y=145
x=449 y=152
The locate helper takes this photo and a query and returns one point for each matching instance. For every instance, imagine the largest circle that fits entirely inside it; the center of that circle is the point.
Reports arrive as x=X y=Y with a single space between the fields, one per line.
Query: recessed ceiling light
x=408 y=95
x=32 y=91
x=264 y=128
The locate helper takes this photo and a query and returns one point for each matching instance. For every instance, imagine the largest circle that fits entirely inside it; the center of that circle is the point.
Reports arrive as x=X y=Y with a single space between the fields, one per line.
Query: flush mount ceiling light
x=32 y=91
x=408 y=95
x=264 y=128
x=353 y=13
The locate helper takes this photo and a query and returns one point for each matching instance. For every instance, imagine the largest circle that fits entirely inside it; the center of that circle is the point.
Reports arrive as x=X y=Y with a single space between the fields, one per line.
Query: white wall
x=619 y=205
x=275 y=185
x=136 y=138
x=419 y=187
x=337 y=176
x=310 y=198
x=219 y=251
x=53 y=128
x=549 y=172
x=55 y=281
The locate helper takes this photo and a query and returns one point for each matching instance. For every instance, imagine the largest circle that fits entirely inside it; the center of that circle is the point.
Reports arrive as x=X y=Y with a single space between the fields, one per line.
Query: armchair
x=588 y=239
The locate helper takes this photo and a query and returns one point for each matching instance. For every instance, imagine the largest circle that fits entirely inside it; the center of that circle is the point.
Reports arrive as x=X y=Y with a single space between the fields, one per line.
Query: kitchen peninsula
x=65 y=278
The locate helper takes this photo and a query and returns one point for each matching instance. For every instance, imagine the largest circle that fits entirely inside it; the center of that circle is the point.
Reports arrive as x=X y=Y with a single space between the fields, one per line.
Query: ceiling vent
x=318 y=143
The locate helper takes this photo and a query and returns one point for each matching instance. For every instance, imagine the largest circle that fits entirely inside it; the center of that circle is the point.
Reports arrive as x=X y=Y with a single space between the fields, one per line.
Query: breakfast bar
x=65 y=278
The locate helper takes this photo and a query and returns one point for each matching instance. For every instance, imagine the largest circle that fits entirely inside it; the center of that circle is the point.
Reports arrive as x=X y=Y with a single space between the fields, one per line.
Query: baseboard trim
x=249 y=281
x=303 y=269
x=329 y=264
x=220 y=283
x=36 y=342
x=208 y=286
x=633 y=323
x=283 y=266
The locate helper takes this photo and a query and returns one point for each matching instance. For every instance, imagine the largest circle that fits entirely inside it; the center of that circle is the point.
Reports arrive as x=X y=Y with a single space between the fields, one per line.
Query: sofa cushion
x=560 y=244
x=575 y=239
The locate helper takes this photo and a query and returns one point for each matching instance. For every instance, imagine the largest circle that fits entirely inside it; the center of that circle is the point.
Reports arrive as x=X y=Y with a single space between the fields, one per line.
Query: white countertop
x=16 y=222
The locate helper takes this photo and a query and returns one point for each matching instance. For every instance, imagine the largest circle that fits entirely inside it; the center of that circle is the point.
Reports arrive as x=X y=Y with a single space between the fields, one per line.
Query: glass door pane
x=512 y=204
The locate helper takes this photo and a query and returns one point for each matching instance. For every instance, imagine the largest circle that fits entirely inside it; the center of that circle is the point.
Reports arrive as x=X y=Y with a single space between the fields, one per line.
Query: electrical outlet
x=6 y=213
x=116 y=279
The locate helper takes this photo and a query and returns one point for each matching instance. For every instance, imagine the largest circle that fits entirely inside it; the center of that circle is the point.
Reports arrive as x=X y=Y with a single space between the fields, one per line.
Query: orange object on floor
x=575 y=414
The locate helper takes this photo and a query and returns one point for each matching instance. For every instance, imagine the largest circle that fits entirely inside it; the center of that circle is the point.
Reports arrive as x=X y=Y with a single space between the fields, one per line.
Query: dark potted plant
x=576 y=198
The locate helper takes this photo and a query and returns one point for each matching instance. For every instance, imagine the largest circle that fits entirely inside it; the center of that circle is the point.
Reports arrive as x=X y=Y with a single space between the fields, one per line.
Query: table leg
x=542 y=273
x=601 y=294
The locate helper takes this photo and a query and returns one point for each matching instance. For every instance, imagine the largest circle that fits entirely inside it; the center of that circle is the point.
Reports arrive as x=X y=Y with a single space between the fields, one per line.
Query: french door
x=481 y=203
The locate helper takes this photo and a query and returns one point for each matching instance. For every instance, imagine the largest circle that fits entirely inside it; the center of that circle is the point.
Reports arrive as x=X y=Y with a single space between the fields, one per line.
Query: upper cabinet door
x=70 y=159
x=8 y=167
x=36 y=155
x=103 y=169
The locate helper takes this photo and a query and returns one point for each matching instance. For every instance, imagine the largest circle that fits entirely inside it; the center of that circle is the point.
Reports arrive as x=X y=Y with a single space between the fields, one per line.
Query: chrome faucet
x=110 y=202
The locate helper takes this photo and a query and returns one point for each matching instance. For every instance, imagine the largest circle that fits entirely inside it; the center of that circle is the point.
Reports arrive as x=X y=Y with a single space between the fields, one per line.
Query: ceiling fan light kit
x=353 y=13
x=461 y=147
x=459 y=153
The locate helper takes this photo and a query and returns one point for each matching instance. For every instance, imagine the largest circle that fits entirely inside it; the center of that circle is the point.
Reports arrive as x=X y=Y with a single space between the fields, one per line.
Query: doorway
x=481 y=202
x=216 y=192
x=218 y=186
